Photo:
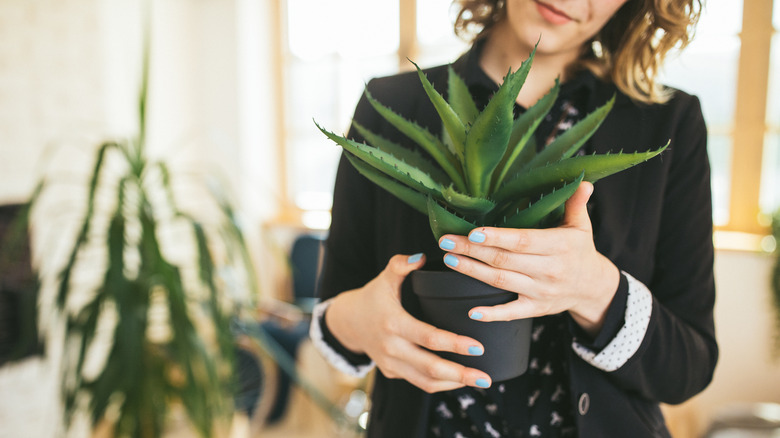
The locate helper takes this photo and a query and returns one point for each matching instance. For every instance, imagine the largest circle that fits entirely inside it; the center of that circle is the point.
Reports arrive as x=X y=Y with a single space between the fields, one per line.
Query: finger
x=400 y=266
x=421 y=379
x=576 y=211
x=498 y=257
x=507 y=279
x=514 y=240
x=436 y=339
x=433 y=373
x=521 y=308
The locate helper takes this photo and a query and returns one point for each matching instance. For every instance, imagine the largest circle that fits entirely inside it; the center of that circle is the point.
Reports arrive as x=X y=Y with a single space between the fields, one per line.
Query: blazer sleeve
x=678 y=354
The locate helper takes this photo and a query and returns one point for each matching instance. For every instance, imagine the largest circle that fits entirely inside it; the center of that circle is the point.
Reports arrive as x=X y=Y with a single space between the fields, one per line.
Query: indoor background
x=234 y=86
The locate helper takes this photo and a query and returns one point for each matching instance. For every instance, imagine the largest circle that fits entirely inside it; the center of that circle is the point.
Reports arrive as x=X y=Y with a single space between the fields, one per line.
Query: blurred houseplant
x=153 y=335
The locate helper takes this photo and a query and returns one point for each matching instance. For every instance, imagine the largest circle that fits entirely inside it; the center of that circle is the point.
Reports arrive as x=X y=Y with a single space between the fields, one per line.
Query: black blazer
x=654 y=221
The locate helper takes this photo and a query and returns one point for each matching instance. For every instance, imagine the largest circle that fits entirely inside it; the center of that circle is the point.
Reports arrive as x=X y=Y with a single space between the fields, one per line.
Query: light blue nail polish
x=414 y=258
x=483 y=383
x=447 y=244
x=477 y=237
x=476 y=351
x=475 y=315
x=451 y=260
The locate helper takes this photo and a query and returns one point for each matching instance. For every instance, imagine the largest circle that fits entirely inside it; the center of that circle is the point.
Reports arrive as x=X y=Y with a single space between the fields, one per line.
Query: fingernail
x=476 y=351
x=414 y=258
x=477 y=237
x=451 y=260
x=447 y=244
x=475 y=315
x=483 y=383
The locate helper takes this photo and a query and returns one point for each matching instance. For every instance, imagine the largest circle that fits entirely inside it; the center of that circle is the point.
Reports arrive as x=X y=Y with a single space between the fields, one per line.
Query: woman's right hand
x=371 y=320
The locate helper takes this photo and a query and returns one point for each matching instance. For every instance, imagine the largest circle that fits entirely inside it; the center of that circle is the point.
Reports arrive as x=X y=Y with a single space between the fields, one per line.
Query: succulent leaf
x=443 y=222
x=568 y=143
x=532 y=216
x=429 y=142
x=453 y=124
x=413 y=157
x=389 y=165
x=523 y=129
x=466 y=204
x=460 y=98
x=595 y=167
x=415 y=199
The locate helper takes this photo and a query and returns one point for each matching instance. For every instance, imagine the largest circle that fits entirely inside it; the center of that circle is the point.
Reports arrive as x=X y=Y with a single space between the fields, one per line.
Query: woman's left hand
x=552 y=270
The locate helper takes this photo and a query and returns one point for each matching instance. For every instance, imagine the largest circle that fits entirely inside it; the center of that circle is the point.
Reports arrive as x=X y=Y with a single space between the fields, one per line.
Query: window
x=331 y=49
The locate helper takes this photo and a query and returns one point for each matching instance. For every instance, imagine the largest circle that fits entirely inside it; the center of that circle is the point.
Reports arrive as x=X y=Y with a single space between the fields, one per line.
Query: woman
x=621 y=292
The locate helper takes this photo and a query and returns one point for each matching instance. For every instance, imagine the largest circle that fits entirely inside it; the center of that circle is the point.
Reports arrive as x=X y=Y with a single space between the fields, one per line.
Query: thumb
x=576 y=209
x=400 y=266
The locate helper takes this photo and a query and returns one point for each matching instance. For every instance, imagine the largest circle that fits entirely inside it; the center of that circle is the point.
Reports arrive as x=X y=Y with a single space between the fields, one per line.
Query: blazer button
x=584 y=403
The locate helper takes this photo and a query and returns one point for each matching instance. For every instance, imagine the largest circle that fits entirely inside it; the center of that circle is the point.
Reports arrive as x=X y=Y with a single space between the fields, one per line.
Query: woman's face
x=563 y=25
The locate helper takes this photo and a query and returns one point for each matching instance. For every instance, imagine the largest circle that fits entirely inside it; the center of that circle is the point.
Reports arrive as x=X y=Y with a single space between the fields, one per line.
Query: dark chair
x=305 y=258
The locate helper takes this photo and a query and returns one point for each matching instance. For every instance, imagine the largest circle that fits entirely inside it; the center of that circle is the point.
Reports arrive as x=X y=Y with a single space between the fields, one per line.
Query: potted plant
x=485 y=171
x=150 y=333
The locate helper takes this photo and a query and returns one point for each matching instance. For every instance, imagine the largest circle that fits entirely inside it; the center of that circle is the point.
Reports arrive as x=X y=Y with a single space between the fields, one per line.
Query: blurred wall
x=69 y=75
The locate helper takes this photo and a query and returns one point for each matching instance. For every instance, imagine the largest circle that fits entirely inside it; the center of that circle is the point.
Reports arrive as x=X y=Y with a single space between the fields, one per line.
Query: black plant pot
x=445 y=299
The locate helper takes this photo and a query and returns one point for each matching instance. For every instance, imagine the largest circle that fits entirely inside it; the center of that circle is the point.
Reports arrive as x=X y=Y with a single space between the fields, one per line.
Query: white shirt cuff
x=332 y=356
x=639 y=308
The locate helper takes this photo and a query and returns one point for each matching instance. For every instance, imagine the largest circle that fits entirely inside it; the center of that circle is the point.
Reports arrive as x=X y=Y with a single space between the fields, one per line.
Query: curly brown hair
x=629 y=50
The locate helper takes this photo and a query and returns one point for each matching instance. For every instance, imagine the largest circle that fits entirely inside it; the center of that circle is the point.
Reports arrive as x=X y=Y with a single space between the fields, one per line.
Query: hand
x=552 y=270
x=371 y=320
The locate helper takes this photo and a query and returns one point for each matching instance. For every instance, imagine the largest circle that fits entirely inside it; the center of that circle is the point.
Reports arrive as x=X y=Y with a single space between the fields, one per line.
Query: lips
x=552 y=14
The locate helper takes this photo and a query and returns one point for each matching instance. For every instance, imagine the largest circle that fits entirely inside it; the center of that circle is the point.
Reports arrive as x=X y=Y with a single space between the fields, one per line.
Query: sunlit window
x=714 y=55
x=333 y=48
x=770 y=181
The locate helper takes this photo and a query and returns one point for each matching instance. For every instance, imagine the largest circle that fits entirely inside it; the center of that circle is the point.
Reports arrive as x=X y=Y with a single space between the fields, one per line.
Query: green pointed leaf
x=411 y=156
x=453 y=124
x=595 y=167
x=467 y=205
x=389 y=165
x=523 y=129
x=415 y=199
x=539 y=210
x=429 y=142
x=486 y=141
x=81 y=239
x=459 y=97
x=443 y=222
x=568 y=143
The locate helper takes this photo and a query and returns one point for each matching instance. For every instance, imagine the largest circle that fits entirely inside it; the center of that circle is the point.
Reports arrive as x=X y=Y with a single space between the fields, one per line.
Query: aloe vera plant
x=486 y=170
